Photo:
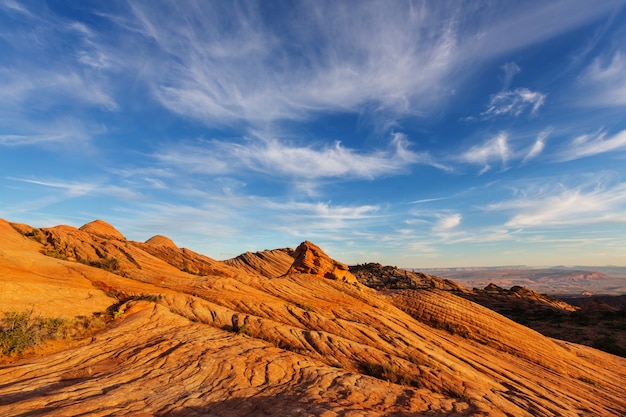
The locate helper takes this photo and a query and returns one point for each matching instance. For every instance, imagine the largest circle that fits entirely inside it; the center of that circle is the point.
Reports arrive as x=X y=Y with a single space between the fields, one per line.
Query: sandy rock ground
x=238 y=342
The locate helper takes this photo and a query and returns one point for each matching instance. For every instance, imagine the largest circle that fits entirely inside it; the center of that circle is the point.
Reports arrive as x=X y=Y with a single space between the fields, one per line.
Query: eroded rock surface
x=310 y=259
x=102 y=229
x=268 y=263
x=236 y=343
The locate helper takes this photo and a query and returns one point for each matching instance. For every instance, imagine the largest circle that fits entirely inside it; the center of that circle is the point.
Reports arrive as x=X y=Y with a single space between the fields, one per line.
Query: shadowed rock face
x=237 y=343
x=380 y=277
x=516 y=298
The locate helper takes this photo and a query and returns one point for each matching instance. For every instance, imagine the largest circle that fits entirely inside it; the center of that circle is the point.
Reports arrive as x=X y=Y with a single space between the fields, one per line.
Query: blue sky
x=417 y=134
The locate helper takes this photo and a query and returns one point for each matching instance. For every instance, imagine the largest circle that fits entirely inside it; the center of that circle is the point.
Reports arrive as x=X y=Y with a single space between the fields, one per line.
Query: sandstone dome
x=102 y=229
x=160 y=240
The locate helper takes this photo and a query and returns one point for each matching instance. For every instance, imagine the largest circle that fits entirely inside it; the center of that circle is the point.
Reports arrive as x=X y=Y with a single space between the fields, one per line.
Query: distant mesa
x=160 y=240
x=310 y=259
x=493 y=288
x=102 y=229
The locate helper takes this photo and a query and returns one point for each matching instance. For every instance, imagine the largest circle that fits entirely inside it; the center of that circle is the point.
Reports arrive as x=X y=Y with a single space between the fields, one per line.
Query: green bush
x=109 y=264
x=22 y=331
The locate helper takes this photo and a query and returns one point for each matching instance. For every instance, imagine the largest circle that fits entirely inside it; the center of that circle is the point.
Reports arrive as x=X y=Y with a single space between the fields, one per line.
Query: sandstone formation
x=380 y=277
x=268 y=263
x=310 y=259
x=160 y=240
x=516 y=298
x=235 y=342
x=102 y=229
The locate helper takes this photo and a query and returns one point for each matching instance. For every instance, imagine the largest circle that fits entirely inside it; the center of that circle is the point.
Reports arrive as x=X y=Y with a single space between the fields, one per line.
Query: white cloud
x=496 y=149
x=513 y=103
x=57 y=132
x=510 y=69
x=518 y=26
x=594 y=144
x=324 y=59
x=326 y=211
x=79 y=189
x=604 y=82
x=53 y=76
x=539 y=145
x=448 y=221
x=589 y=203
x=16 y=7
x=280 y=159
x=240 y=222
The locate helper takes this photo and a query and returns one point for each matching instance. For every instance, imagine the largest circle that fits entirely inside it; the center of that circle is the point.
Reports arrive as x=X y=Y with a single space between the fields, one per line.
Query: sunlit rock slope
x=274 y=333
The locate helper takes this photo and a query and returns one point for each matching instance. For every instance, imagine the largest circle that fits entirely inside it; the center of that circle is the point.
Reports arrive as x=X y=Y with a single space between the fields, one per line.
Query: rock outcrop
x=102 y=229
x=310 y=259
x=379 y=277
x=268 y=263
x=160 y=240
x=517 y=298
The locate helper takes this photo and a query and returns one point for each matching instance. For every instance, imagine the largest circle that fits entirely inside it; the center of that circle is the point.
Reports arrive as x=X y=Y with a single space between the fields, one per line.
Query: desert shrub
x=20 y=332
x=305 y=307
x=243 y=329
x=587 y=380
x=153 y=298
x=36 y=235
x=109 y=264
x=389 y=373
x=54 y=253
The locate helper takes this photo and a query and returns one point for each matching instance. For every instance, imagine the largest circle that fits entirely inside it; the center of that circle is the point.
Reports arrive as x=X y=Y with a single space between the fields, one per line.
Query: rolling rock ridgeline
x=279 y=332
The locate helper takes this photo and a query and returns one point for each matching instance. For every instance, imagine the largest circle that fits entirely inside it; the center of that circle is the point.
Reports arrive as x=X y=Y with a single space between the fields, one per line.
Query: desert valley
x=148 y=328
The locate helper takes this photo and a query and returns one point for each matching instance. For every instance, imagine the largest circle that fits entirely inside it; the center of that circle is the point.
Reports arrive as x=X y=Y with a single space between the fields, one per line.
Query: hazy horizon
x=434 y=134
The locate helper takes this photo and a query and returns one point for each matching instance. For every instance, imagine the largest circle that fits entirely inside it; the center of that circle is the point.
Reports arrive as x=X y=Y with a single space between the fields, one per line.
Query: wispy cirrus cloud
x=513 y=103
x=41 y=194
x=286 y=76
x=593 y=144
x=278 y=158
x=47 y=97
x=56 y=132
x=521 y=26
x=604 y=81
x=510 y=69
x=52 y=76
x=494 y=150
x=15 y=7
x=598 y=201
x=226 y=225
x=79 y=189
x=409 y=65
x=448 y=222
x=538 y=146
